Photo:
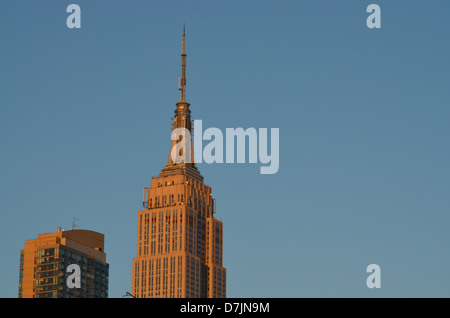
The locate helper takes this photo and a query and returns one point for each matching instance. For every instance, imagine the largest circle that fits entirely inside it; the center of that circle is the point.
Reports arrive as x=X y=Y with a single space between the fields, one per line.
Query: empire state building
x=179 y=241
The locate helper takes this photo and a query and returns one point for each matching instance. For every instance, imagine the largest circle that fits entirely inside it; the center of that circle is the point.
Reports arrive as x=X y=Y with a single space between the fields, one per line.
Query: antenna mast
x=73 y=223
x=182 y=78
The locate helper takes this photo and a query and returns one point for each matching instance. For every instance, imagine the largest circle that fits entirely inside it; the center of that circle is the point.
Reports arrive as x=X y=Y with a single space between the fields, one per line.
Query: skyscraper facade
x=179 y=241
x=44 y=262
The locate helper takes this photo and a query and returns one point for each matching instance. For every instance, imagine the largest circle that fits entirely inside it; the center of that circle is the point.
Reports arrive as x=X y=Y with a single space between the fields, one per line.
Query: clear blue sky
x=364 y=135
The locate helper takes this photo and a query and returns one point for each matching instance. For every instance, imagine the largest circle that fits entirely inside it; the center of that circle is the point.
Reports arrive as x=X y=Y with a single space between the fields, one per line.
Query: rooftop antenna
x=73 y=223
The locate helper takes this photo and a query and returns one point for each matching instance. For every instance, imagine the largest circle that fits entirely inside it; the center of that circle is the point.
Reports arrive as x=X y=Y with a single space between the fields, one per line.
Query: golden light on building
x=44 y=260
x=179 y=241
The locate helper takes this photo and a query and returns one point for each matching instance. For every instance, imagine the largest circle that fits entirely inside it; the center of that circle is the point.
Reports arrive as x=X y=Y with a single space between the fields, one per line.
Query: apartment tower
x=44 y=261
x=179 y=241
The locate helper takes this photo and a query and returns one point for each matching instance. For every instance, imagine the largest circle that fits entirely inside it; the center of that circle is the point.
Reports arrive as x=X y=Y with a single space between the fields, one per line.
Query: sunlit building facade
x=179 y=241
x=44 y=261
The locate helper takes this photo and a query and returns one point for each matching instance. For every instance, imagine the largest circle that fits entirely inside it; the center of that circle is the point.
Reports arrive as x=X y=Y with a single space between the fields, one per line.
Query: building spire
x=182 y=120
x=182 y=78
